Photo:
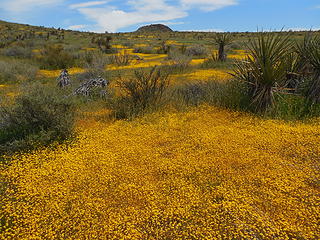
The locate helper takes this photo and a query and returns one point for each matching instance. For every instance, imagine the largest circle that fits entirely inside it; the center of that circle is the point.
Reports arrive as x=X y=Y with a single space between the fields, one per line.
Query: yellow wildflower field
x=135 y=64
x=56 y=73
x=204 y=75
x=204 y=174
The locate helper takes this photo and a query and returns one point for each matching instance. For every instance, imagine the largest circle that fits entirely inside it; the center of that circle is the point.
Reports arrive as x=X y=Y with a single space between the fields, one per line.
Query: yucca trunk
x=221 y=54
x=262 y=98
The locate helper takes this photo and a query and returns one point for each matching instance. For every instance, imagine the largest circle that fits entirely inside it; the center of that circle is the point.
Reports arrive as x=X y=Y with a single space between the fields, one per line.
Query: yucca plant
x=302 y=49
x=265 y=69
x=222 y=40
x=313 y=93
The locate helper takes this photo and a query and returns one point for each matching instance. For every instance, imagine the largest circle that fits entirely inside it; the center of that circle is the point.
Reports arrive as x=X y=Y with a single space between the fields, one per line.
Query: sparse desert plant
x=144 y=91
x=222 y=40
x=38 y=117
x=265 y=69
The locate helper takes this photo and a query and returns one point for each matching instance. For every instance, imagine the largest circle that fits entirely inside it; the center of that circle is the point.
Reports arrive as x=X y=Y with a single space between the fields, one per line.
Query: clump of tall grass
x=38 y=117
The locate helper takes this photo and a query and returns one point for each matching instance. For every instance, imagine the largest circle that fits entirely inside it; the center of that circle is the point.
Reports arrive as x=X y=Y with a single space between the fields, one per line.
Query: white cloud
x=208 y=5
x=112 y=19
x=87 y=4
x=17 y=6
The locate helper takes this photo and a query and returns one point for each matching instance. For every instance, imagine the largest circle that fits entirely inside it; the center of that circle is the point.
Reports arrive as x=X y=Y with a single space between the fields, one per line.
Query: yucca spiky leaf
x=313 y=93
x=265 y=68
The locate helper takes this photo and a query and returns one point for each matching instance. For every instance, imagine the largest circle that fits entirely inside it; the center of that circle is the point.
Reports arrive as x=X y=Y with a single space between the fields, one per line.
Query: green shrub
x=38 y=117
x=55 y=57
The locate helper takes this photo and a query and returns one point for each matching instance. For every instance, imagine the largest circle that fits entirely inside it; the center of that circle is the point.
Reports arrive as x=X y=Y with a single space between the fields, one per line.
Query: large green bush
x=55 y=57
x=38 y=117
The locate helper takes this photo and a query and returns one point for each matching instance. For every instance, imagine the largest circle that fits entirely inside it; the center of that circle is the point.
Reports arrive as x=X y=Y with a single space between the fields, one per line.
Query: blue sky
x=127 y=15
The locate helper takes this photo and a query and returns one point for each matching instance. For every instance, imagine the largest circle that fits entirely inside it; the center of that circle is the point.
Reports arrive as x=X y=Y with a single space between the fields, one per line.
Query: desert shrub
x=55 y=57
x=145 y=50
x=196 y=50
x=142 y=92
x=38 y=117
x=16 y=71
x=18 y=52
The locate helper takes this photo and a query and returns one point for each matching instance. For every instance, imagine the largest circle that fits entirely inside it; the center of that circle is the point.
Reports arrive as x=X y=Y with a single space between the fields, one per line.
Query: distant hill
x=155 y=28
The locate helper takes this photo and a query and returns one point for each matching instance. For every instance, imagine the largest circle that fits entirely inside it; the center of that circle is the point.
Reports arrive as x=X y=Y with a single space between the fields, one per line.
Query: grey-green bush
x=37 y=118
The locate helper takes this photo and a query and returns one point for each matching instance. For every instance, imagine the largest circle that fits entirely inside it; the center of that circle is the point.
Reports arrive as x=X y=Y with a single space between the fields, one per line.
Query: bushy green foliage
x=38 y=117
x=55 y=57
